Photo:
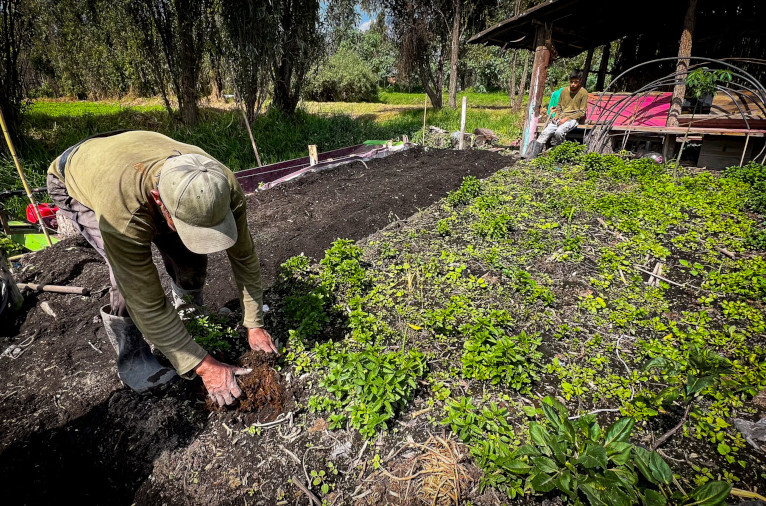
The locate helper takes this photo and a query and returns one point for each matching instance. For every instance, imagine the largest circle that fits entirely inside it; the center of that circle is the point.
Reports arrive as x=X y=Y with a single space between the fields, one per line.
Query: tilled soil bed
x=70 y=428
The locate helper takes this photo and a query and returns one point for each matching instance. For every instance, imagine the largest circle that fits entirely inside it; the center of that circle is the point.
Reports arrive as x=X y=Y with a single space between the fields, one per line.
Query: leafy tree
x=16 y=22
x=250 y=52
x=297 y=47
x=81 y=48
x=177 y=30
x=345 y=77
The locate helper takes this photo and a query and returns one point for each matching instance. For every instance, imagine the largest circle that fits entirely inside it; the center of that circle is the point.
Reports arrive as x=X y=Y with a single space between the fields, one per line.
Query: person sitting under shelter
x=570 y=111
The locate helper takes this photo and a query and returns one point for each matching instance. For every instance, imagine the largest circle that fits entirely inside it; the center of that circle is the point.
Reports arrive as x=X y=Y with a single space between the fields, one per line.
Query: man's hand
x=259 y=339
x=220 y=379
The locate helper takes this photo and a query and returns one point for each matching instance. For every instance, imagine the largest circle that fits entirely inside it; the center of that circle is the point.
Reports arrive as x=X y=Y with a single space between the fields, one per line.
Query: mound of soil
x=68 y=422
x=263 y=391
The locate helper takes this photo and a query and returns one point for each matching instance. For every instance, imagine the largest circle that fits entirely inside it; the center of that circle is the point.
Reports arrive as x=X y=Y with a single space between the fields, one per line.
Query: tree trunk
x=601 y=81
x=586 y=70
x=512 y=86
x=684 y=51
x=523 y=84
x=284 y=98
x=455 y=53
x=189 y=61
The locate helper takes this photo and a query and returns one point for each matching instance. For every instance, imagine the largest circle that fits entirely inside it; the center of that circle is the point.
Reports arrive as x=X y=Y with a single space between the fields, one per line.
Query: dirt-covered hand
x=220 y=379
x=259 y=339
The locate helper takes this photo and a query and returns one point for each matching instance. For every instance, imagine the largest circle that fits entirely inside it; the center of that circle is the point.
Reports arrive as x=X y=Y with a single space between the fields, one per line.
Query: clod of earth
x=263 y=390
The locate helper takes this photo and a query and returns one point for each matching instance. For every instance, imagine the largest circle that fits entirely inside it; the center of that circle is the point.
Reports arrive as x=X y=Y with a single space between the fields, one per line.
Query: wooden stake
x=313 y=155
x=23 y=178
x=252 y=140
x=425 y=110
x=744 y=151
x=462 y=125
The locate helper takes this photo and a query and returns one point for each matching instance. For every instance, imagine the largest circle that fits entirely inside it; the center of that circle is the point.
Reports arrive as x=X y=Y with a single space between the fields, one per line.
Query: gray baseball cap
x=196 y=191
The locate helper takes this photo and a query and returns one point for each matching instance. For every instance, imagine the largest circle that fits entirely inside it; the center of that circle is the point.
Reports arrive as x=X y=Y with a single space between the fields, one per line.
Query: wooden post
x=462 y=125
x=425 y=110
x=537 y=87
x=313 y=155
x=668 y=147
x=684 y=52
x=8 y=289
x=586 y=69
x=601 y=81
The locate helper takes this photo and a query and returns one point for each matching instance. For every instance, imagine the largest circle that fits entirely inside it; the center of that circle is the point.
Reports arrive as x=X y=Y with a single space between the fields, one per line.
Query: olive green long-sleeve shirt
x=114 y=176
x=573 y=106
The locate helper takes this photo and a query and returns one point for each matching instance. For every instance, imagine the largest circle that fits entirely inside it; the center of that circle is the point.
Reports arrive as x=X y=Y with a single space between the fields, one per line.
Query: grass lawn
x=53 y=125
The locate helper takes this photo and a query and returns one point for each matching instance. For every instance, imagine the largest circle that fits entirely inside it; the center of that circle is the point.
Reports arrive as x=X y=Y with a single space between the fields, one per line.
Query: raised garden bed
x=420 y=358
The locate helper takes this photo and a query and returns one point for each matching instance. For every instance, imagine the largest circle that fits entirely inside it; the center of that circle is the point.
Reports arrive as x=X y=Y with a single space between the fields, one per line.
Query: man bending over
x=128 y=190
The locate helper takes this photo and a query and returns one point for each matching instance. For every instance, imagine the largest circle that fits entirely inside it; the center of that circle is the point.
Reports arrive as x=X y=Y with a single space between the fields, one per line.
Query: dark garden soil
x=71 y=429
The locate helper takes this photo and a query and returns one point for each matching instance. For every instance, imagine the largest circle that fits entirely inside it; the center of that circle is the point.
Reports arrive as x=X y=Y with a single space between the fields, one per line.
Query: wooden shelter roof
x=578 y=25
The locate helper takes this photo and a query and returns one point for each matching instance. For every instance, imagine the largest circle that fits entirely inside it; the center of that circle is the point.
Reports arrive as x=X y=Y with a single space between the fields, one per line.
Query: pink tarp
x=643 y=110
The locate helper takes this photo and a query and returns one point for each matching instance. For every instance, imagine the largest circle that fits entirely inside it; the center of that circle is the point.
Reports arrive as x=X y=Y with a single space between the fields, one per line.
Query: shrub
x=344 y=78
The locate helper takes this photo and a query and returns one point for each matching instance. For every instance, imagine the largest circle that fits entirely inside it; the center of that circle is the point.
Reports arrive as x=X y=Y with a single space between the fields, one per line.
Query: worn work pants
x=187 y=270
x=559 y=132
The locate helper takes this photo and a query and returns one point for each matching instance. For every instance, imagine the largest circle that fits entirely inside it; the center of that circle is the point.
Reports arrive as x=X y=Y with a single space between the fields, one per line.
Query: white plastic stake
x=462 y=124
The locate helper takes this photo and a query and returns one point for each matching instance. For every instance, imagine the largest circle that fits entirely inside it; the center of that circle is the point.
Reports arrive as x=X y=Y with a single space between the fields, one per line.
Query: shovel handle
x=76 y=290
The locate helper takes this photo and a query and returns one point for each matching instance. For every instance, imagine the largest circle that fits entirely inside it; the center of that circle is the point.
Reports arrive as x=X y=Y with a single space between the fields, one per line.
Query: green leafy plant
x=753 y=174
x=756 y=238
x=494 y=226
x=491 y=440
x=368 y=387
x=443 y=227
x=319 y=479
x=492 y=355
x=8 y=247
x=342 y=265
x=212 y=332
x=688 y=379
x=469 y=189
x=567 y=152
x=596 y=466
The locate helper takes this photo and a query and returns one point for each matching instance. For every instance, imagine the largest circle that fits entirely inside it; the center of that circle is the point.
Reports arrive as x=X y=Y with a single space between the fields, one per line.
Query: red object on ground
x=47 y=212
